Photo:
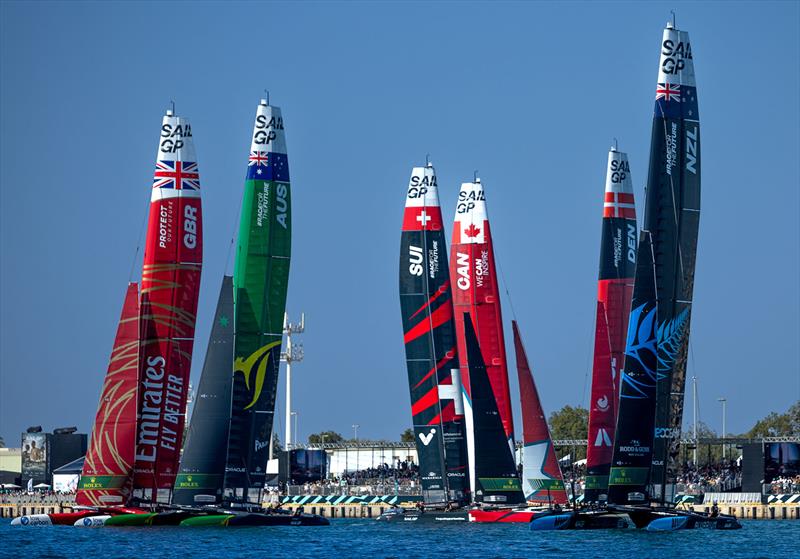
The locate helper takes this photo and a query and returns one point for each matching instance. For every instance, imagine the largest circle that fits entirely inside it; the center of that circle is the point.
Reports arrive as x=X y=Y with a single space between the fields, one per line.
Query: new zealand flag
x=676 y=101
x=268 y=166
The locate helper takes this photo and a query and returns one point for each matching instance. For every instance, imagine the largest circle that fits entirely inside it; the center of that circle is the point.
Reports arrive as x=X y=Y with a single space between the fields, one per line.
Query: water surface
x=367 y=538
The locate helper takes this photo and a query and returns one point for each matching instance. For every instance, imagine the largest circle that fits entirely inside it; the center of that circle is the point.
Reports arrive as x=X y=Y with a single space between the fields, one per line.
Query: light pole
x=694 y=420
x=355 y=432
x=724 y=402
x=294 y=352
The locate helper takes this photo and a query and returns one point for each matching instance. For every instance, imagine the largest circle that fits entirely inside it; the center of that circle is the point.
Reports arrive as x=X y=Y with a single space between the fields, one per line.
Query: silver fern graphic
x=670 y=340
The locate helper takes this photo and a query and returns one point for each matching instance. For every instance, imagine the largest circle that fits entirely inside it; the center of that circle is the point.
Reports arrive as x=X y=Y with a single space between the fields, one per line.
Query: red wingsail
x=106 y=475
x=615 y=287
x=475 y=291
x=541 y=476
x=170 y=288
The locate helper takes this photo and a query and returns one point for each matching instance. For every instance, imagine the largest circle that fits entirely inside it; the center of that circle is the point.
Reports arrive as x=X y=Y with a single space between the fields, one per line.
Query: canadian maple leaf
x=472 y=231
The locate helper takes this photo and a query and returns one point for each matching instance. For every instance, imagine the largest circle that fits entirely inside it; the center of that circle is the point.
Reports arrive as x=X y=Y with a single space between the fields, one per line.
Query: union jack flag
x=258 y=158
x=668 y=92
x=180 y=175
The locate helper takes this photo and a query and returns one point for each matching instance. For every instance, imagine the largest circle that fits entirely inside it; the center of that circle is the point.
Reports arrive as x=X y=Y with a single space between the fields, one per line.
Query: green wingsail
x=260 y=280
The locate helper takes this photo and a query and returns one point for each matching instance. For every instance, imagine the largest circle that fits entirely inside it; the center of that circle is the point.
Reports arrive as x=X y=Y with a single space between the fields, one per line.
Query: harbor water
x=368 y=538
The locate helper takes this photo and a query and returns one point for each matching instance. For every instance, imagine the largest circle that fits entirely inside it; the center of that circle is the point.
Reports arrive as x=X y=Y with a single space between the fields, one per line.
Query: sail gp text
x=673 y=57
x=161 y=404
x=172 y=137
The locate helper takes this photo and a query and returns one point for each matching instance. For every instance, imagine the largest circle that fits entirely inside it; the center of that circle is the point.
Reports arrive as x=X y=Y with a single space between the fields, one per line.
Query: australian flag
x=268 y=166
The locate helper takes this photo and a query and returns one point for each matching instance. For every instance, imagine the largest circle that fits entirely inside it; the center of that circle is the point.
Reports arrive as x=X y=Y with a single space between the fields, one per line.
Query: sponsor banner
x=496 y=484
x=596 y=482
x=198 y=481
x=629 y=476
x=91 y=482
x=34 y=457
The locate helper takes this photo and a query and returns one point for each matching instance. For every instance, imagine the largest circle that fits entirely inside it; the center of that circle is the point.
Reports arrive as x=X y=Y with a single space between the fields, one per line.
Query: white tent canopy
x=42 y=486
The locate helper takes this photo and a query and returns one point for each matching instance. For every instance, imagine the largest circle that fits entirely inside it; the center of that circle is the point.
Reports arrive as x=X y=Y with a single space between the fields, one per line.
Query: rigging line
x=235 y=225
x=588 y=366
x=431 y=337
x=139 y=240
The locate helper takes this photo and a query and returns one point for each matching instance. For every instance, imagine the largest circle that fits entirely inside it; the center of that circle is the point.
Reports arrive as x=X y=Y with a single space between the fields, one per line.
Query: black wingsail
x=497 y=479
x=437 y=406
x=629 y=477
x=202 y=466
x=672 y=217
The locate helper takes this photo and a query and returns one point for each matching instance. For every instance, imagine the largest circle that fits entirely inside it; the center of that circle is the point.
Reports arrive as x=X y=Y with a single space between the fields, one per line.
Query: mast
x=203 y=462
x=672 y=216
x=476 y=298
x=260 y=282
x=542 y=481
x=107 y=470
x=173 y=257
x=614 y=290
x=429 y=334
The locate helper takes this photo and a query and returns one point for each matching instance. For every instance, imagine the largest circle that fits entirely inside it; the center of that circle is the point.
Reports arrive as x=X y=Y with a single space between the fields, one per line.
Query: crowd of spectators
x=382 y=479
x=784 y=485
x=37 y=497
x=711 y=478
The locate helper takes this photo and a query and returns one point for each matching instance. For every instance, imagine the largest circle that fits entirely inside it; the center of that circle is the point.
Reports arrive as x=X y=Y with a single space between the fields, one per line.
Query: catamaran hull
x=61 y=518
x=506 y=515
x=32 y=520
x=672 y=521
x=92 y=521
x=167 y=518
x=425 y=516
x=257 y=519
x=581 y=521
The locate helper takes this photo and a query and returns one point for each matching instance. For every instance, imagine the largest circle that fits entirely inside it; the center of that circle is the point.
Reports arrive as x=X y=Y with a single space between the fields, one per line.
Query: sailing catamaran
x=542 y=482
x=430 y=342
x=651 y=399
x=652 y=380
x=173 y=256
x=260 y=283
x=615 y=286
x=476 y=300
x=224 y=463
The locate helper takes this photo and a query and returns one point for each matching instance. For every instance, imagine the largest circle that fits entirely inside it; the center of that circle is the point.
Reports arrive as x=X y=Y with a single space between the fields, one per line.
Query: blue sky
x=530 y=94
